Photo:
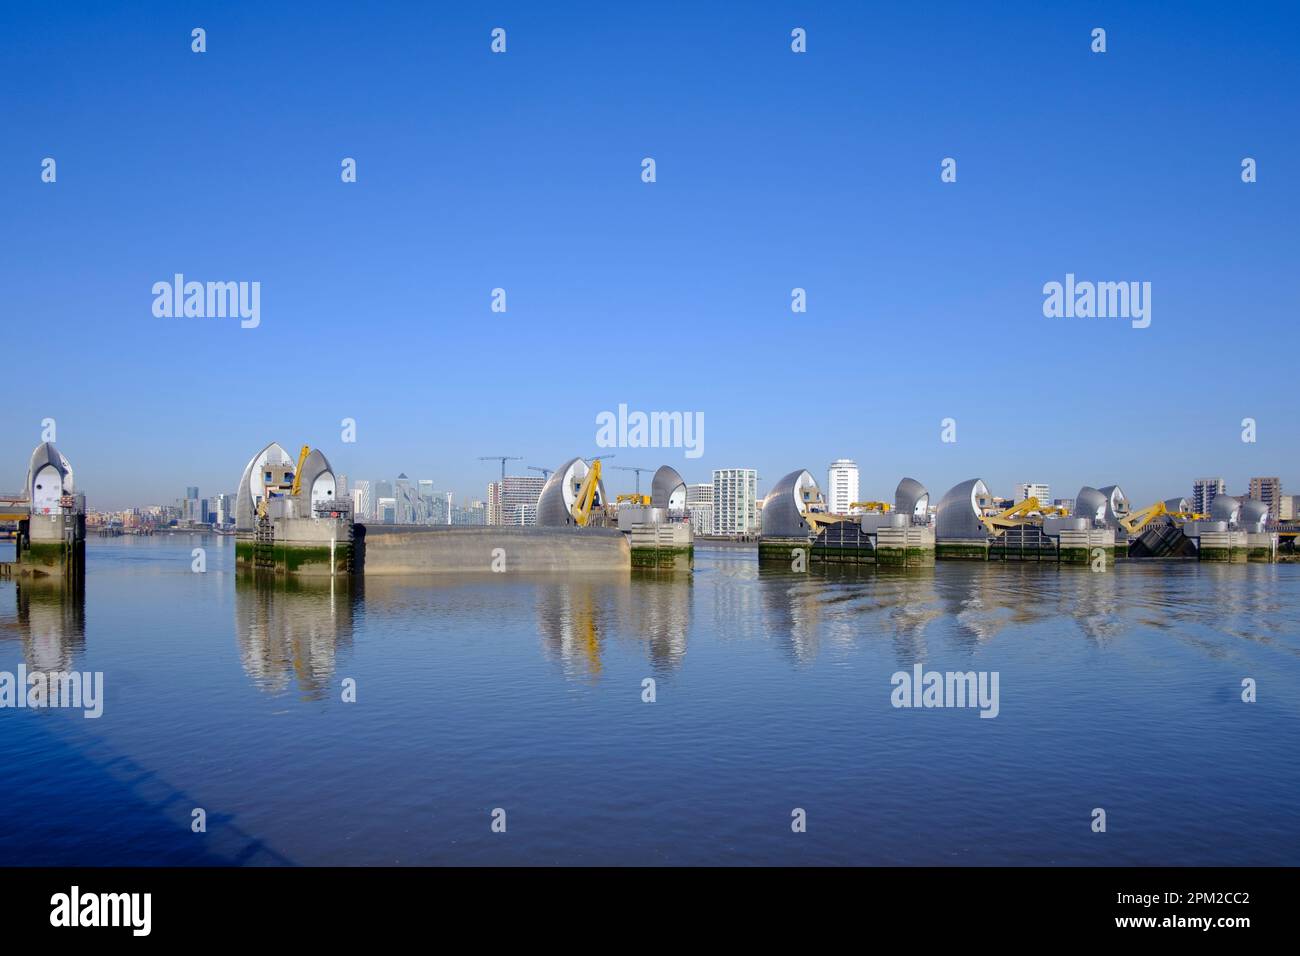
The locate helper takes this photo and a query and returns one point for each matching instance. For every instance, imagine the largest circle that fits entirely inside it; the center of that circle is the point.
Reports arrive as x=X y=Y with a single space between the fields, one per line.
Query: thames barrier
x=289 y=518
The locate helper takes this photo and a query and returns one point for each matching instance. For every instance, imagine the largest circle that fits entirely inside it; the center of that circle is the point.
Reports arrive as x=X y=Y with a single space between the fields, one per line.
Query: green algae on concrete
x=677 y=558
x=294 y=558
x=783 y=549
x=1086 y=555
x=904 y=557
x=1223 y=555
x=961 y=550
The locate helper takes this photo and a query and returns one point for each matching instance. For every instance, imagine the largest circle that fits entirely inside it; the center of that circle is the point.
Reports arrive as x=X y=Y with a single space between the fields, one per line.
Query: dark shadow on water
x=80 y=802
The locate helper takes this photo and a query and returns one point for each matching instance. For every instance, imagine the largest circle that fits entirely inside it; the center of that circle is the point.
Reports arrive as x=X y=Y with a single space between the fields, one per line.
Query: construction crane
x=546 y=472
x=1135 y=521
x=297 y=471
x=638 y=473
x=587 y=494
x=1028 y=511
x=503 y=459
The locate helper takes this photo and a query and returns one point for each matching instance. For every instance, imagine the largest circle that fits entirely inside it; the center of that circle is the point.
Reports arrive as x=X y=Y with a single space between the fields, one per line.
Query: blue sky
x=775 y=170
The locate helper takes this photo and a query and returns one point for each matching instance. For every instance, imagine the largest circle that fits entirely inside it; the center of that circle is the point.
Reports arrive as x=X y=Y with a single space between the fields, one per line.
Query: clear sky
x=775 y=170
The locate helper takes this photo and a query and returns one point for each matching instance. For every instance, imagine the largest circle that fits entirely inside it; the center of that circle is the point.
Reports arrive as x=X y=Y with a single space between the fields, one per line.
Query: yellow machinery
x=294 y=489
x=297 y=470
x=1135 y=521
x=587 y=495
x=820 y=519
x=635 y=499
x=880 y=506
x=1027 y=512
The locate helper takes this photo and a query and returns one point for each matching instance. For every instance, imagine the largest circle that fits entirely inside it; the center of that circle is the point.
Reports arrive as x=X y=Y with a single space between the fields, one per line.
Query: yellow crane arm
x=871 y=505
x=587 y=495
x=820 y=519
x=1135 y=521
x=297 y=471
x=1016 y=515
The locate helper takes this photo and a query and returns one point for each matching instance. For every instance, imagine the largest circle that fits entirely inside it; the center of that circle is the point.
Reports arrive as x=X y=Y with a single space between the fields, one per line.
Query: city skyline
x=1247 y=487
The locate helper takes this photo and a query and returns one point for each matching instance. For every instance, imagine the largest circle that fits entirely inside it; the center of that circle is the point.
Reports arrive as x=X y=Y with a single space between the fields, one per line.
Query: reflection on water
x=566 y=620
x=792 y=605
x=291 y=630
x=1120 y=687
x=50 y=623
x=577 y=617
x=660 y=615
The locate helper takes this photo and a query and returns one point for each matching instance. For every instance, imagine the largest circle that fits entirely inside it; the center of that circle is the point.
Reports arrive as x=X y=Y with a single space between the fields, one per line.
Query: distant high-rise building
x=224 y=514
x=386 y=510
x=735 y=500
x=1269 y=491
x=699 y=508
x=1204 y=491
x=1033 y=489
x=361 y=500
x=191 y=492
x=1288 y=511
x=475 y=514
x=842 y=485
x=341 y=488
x=428 y=505
x=515 y=501
x=406 y=498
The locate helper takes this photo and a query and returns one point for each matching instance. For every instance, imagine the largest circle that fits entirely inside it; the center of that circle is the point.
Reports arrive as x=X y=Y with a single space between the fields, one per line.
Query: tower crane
x=638 y=475
x=503 y=459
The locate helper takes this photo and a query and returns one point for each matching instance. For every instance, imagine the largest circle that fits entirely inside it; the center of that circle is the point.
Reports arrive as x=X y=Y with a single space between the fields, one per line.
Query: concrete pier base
x=910 y=547
x=52 y=545
x=1085 y=546
x=1228 y=547
x=667 y=546
x=783 y=550
x=421 y=549
x=1262 y=546
x=291 y=545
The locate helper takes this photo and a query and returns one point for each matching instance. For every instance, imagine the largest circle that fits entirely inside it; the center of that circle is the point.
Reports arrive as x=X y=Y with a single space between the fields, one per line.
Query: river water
x=1119 y=691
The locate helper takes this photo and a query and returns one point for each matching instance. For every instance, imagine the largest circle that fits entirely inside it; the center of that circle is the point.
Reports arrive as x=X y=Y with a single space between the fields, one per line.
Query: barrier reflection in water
x=661 y=615
x=290 y=630
x=50 y=623
x=928 y=614
x=571 y=619
x=649 y=613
